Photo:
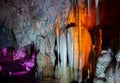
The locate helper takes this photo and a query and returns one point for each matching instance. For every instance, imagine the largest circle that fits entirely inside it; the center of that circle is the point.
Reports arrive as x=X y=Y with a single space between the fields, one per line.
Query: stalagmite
x=40 y=45
x=103 y=62
x=51 y=45
x=104 y=68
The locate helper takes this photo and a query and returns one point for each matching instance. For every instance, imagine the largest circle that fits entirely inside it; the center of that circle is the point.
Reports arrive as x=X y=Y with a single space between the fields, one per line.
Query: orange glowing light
x=58 y=29
x=86 y=43
x=71 y=18
x=86 y=21
x=81 y=37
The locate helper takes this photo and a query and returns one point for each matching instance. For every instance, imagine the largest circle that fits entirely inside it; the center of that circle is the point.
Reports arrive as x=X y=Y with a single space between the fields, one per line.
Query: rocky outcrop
x=117 y=68
x=107 y=69
x=103 y=62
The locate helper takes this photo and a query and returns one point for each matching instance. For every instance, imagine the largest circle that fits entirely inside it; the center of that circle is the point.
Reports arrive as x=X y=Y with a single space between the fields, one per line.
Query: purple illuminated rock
x=17 y=62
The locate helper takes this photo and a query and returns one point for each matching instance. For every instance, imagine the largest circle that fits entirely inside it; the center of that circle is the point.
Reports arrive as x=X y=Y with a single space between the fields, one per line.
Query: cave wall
x=109 y=13
x=28 y=19
x=34 y=21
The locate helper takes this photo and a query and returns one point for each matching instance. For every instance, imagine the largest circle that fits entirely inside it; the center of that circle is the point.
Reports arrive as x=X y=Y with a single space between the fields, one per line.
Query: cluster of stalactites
x=75 y=42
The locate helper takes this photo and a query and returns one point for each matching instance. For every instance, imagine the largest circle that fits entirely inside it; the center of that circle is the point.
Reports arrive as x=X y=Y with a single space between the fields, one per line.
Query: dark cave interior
x=40 y=30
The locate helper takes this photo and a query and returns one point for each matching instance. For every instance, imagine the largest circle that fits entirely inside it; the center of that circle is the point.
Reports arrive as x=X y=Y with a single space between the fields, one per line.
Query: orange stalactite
x=86 y=43
x=76 y=44
x=87 y=21
x=81 y=37
x=82 y=52
x=71 y=18
x=99 y=43
x=100 y=39
x=58 y=29
x=58 y=25
x=82 y=41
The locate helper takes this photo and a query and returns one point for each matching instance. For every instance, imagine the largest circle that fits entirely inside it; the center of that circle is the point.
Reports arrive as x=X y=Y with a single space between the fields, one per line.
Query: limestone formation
x=117 y=68
x=103 y=62
x=107 y=69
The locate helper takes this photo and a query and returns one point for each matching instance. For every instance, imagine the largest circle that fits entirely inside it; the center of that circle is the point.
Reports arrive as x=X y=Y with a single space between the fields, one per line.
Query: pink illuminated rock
x=17 y=62
x=1 y=69
x=4 y=50
x=19 y=54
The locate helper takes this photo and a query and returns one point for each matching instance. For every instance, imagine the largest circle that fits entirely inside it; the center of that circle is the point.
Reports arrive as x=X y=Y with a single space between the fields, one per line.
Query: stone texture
x=99 y=80
x=26 y=21
x=29 y=18
x=109 y=70
x=110 y=73
x=64 y=75
x=117 y=68
x=103 y=62
x=35 y=21
x=7 y=38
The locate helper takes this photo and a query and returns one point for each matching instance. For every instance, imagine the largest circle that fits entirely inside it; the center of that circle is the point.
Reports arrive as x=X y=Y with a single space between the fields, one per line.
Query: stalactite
x=98 y=32
x=63 y=50
x=70 y=47
x=89 y=6
x=81 y=45
x=58 y=45
x=76 y=46
x=97 y=12
x=76 y=41
x=70 y=35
